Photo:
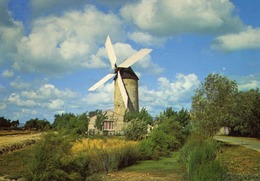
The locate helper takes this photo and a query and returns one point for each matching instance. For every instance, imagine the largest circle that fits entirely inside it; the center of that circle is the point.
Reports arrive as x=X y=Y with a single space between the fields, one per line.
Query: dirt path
x=251 y=143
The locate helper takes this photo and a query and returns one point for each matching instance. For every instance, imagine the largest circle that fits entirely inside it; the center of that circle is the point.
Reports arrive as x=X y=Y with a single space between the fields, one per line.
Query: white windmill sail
x=101 y=82
x=122 y=89
x=110 y=52
x=134 y=58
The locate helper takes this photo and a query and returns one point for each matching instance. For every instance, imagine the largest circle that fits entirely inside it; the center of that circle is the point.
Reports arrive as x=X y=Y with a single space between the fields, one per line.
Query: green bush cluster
x=54 y=161
x=198 y=156
x=168 y=135
x=107 y=160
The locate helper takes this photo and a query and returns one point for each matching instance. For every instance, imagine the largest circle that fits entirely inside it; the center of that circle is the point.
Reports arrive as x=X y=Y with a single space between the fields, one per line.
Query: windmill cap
x=127 y=73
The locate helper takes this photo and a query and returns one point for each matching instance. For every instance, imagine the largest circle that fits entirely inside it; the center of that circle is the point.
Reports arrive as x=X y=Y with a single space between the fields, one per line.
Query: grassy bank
x=14 y=164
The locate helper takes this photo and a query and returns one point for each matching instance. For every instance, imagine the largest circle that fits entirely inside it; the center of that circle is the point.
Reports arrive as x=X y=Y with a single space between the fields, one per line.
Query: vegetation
x=199 y=157
x=37 y=124
x=59 y=157
x=217 y=103
x=68 y=123
x=169 y=134
x=53 y=160
x=137 y=124
x=8 y=124
x=67 y=154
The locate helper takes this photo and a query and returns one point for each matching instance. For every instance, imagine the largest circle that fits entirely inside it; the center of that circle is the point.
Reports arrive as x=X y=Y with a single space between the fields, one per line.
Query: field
x=13 y=140
x=240 y=161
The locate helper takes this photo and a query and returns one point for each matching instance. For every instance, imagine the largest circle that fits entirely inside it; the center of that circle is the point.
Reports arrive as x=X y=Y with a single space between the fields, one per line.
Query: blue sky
x=51 y=52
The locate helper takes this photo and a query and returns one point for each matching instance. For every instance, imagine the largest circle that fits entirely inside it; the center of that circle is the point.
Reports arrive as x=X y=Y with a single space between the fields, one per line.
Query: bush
x=211 y=170
x=136 y=130
x=198 y=156
x=54 y=161
x=107 y=154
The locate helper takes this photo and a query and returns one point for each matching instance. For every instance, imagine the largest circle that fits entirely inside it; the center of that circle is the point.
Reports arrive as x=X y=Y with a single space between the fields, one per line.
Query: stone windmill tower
x=126 y=81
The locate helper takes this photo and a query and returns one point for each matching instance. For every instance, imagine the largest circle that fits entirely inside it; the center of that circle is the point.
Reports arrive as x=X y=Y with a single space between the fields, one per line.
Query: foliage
x=137 y=124
x=107 y=154
x=169 y=135
x=246 y=113
x=68 y=123
x=100 y=118
x=199 y=157
x=212 y=103
x=141 y=115
x=136 y=130
x=54 y=161
x=6 y=123
x=37 y=124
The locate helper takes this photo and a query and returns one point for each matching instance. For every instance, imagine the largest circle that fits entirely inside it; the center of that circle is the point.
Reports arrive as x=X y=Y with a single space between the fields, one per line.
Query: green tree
x=141 y=115
x=37 y=124
x=246 y=114
x=100 y=117
x=137 y=124
x=212 y=103
x=68 y=123
x=169 y=134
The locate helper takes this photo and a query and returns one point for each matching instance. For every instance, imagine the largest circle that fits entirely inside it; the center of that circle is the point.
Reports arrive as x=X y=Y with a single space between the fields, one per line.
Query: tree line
x=216 y=103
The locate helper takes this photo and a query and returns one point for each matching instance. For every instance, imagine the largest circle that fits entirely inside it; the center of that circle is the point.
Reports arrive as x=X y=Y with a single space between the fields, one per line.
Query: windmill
x=125 y=80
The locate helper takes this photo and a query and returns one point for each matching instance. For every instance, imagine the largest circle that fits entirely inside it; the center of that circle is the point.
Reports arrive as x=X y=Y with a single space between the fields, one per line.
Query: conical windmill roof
x=127 y=73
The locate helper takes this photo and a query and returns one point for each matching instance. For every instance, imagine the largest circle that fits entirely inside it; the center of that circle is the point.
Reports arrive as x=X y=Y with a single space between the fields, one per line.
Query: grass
x=242 y=163
x=165 y=165
x=14 y=164
x=166 y=168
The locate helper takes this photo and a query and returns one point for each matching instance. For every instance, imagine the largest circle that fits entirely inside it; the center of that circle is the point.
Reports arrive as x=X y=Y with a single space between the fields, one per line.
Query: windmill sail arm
x=101 y=82
x=134 y=58
x=122 y=90
x=110 y=52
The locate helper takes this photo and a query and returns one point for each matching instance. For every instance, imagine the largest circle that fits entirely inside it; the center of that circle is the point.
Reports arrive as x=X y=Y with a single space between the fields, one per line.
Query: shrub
x=198 y=155
x=107 y=154
x=54 y=161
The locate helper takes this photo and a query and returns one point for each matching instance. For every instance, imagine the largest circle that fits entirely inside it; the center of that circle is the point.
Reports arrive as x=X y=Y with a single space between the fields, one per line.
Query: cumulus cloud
x=246 y=83
x=171 y=17
x=10 y=32
x=19 y=84
x=146 y=39
x=58 y=44
x=247 y=39
x=45 y=100
x=7 y=73
x=176 y=93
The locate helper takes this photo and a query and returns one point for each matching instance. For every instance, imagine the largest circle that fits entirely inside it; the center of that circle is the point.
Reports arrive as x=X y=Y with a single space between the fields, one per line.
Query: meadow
x=13 y=140
x=118 y=159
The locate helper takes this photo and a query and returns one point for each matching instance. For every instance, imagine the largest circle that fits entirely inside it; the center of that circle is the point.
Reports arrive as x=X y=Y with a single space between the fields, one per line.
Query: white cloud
x=58 y=44
x=10 y=32
x=171 y=17
x=56 y=104
x=146 y=39
x=7 y=73
x=246 y=83
x=247 y=39
x=2 y=106
x=102 y=98
x=175 y=94
x=19 y=84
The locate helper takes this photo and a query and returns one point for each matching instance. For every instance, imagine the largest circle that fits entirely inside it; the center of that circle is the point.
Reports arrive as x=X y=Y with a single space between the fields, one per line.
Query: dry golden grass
x=90 y=145
x=240 y=160
x=12 y=142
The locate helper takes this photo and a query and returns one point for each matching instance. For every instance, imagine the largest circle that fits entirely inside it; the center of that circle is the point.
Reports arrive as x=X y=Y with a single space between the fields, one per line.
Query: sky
x=51 y=52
